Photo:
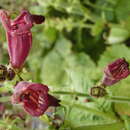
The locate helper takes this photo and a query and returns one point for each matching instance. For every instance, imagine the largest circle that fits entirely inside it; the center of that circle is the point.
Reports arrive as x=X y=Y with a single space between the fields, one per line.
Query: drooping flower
x=34 y=97
x=19 y=36
x=115 y=72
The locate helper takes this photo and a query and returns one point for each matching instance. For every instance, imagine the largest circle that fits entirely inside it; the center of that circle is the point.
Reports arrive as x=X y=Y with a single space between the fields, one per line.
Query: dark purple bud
x=10 y=74
x=115 y=72
x=3 y=73
x=97 y=91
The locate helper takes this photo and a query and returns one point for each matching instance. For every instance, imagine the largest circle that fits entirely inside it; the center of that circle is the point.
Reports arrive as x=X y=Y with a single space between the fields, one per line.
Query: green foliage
x=117 y=35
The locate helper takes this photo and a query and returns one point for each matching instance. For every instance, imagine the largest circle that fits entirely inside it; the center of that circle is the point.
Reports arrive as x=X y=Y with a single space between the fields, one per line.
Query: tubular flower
x=34 y=97
x=19 y=36
x=115 y=72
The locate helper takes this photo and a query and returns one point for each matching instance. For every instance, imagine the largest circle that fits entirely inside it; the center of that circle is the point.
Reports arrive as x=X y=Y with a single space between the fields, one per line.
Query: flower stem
x=74 y=94
x=71 y=93
x=5 y=99
x=98 y=7
x=116 y=99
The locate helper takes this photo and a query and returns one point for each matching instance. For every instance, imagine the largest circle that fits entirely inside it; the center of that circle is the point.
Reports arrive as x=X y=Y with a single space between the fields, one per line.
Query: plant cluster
x=78 y=40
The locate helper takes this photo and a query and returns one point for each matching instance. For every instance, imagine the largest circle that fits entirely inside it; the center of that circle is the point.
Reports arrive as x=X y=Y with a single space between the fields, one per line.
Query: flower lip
x=38 y=19
x=35 y=101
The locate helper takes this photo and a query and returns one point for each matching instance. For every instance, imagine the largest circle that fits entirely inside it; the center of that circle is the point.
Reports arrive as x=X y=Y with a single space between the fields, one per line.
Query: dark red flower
x=115 y=72
x=34 y=97
x=19 y=36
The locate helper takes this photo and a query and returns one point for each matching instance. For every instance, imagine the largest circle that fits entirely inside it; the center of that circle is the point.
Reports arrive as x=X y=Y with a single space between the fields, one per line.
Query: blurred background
x=70 y=50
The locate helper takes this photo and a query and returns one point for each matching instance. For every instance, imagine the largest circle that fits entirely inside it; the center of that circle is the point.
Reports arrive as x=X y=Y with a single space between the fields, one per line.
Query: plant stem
x=118 y=99
x=74 y=94
x=98 y=7
x=17 y=72
x=6 y=89
x=71 y=93
x=5 y=99
x=109 y=98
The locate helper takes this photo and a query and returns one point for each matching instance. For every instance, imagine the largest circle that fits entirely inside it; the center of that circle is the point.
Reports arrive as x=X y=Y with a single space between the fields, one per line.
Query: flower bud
x=34 y=97
x=19 y=36
x=10 y=74
x=3 y=73
x=97 y=91
x=115 y=72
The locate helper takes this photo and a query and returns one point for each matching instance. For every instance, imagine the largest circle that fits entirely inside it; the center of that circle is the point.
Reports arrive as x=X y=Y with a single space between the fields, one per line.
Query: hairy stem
x=5 y=99
x=109 y=98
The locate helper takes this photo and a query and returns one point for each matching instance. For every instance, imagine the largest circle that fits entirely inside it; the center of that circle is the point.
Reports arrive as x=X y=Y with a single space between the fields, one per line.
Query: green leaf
x=112 y=53
x=98 y=27
x=127 y=121
x=117 y=35
x=50 y=34
x=86 y=114
x=79 y=66
x=61 y=67
x=122 y=89
x=122 y=9
x=53 y=68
